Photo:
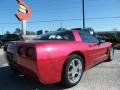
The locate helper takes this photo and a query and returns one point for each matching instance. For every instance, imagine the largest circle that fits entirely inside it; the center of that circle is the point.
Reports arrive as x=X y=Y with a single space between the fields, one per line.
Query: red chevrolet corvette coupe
x=60 y=56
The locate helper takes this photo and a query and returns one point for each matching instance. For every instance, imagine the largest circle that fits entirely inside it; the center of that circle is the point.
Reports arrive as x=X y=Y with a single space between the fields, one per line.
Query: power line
x=104 y=5
x=56 y=20
x=62 y=20
x=8 y=23
x=115 y=17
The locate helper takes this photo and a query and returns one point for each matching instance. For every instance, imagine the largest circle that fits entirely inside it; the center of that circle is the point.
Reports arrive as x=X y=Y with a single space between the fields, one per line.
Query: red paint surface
x=51 y=56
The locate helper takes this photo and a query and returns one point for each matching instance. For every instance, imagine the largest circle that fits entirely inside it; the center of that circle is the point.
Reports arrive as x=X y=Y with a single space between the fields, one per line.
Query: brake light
x=31 y=53
x=22 y=51
x=26 y=51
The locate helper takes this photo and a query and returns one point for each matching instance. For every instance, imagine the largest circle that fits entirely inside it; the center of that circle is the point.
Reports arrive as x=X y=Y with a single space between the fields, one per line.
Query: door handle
x=90 y=45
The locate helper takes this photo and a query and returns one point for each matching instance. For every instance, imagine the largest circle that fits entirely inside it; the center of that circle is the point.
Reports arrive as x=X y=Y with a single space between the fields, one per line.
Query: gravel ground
x=1 y=51
x=105 y=76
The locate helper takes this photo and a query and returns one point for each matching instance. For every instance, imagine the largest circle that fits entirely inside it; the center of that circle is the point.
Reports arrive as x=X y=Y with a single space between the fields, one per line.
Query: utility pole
x=2 y=30
x=61 y=26
x=24 y=28
x=83 y=12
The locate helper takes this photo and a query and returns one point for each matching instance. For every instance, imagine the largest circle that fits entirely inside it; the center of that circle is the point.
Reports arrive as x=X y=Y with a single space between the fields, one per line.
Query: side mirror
x=101 y=41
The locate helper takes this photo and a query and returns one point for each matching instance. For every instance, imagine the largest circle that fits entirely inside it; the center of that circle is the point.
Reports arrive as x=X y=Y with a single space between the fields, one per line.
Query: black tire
x=65 y=77
x=111 y=54
x=1 y=44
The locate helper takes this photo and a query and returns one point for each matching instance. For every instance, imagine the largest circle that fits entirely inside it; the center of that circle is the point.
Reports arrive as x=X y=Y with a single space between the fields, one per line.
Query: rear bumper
x=41 y=71
x=25 y=66
x=25 y=71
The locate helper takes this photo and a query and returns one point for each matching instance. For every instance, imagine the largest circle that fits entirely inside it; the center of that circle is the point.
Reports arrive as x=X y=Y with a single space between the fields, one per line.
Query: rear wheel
x=72 y=71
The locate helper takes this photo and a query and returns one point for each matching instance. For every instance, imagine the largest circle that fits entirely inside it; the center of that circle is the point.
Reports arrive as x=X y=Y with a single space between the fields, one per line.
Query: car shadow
x=9 y=81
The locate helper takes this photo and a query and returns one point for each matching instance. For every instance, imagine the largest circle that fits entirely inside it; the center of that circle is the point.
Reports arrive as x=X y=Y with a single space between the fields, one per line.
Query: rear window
x=12 y=36
x=59 y=35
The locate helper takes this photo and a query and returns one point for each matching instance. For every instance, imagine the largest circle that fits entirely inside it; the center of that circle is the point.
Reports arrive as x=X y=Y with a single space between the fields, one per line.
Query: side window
x=88 y=38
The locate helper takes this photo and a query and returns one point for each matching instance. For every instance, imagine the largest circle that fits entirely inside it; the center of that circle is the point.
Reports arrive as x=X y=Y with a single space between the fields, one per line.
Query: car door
x=96 y=51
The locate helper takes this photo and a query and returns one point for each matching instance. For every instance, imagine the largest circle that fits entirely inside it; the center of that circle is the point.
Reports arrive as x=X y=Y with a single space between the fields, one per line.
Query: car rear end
x=38 y=58
x=22 y=57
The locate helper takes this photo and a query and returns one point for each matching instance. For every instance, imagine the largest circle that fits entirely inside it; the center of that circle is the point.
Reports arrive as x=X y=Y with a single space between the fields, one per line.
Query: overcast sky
x=106 y=12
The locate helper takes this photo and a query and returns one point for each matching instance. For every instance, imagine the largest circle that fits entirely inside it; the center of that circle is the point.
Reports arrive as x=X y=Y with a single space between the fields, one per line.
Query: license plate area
x=12 y=58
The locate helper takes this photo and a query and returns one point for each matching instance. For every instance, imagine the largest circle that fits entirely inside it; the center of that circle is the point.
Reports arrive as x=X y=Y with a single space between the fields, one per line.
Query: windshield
x=59 y=35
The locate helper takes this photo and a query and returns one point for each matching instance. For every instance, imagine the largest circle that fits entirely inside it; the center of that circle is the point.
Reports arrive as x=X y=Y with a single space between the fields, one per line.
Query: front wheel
x=1 y=44
x=72 y=71
x=111 y=54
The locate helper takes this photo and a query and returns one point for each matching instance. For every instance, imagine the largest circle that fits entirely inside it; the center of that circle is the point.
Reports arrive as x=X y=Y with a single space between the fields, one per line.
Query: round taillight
x=31 y=53
x=22 y=50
